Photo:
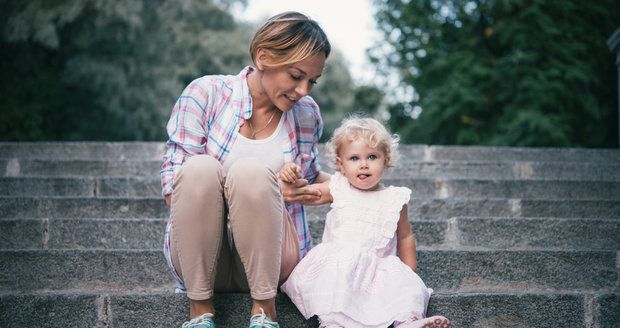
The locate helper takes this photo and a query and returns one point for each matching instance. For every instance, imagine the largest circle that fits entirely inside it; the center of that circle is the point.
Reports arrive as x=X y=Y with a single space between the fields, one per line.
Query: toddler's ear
x=338 y=163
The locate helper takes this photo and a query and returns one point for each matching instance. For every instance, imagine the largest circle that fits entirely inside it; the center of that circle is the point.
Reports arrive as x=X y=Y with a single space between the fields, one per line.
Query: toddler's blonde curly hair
x=371 y=131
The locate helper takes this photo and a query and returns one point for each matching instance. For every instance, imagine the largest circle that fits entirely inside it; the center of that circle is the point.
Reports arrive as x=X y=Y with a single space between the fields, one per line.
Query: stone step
x=150 y=187
x=118 y=151
x=419 y=208
x=444 y=271
x=155 y=150
x=566 y=171
x=407 y=168
x=515 y=154
x=78 y=168
x=443 y=209
x=130 y=310
x=170 y=310
x=474 y=233
x=82 y=233
x=79 y=207
x=469 y=233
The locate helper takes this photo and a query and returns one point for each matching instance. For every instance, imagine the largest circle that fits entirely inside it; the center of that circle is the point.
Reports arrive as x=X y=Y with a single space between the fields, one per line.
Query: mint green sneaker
x=262 y=321
x=203 y=321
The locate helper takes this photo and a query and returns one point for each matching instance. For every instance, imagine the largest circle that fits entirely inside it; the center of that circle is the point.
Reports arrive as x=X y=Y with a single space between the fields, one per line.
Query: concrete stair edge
x=170 y=310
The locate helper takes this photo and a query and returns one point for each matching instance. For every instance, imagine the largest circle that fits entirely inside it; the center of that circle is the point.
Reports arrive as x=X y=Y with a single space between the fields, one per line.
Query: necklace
x=254 y=132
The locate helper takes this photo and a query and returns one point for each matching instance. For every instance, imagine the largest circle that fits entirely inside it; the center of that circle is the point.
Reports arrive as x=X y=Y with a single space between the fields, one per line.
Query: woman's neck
x=261 y=103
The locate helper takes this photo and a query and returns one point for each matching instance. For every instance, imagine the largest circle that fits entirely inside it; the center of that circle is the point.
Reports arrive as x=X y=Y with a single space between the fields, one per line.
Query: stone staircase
x=507 y=237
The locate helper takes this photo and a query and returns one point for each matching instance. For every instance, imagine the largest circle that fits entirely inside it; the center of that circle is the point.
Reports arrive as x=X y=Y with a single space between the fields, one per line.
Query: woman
x=233 y=226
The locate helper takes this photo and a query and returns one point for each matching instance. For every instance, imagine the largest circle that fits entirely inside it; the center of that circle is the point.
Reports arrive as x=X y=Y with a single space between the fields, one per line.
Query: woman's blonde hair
x=371 y=131
x=288 y=38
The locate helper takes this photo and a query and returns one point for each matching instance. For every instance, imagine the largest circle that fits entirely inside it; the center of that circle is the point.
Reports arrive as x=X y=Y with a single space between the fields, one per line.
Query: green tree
x=106 y=70
x=502 y=72
x=338 y=95
x=93 y=70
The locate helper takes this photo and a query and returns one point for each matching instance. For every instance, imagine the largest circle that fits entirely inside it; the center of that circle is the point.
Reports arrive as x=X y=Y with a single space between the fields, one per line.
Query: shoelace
x=269 y=324
x=197 y=320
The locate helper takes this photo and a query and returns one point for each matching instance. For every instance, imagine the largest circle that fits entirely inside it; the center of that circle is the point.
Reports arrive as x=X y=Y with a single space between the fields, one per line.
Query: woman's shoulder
x=307 y=113
x=216 y=83
x=306 y=105
x=211 y=83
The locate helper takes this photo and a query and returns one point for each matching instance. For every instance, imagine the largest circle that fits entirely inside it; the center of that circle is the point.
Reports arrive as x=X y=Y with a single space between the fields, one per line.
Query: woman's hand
x=299 y=192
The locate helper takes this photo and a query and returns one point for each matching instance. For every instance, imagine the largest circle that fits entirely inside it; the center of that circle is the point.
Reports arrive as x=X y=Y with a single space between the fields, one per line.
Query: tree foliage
x=106 y=70
x=502 y=72
x=112 y=70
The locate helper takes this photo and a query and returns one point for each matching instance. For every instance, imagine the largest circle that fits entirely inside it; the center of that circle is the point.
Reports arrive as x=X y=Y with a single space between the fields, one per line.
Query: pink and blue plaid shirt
x=206 y=120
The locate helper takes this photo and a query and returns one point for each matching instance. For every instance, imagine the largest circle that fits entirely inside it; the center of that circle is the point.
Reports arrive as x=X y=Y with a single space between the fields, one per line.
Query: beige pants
x=247 y=203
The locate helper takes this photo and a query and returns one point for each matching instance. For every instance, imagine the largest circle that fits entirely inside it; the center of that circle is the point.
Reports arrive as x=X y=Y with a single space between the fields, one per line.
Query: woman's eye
x=296 y=78
x=314 y=82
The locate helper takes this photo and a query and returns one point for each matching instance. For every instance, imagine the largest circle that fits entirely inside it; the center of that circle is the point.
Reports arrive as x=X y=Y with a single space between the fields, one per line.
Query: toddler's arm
x=405 y=240
x=326 y=196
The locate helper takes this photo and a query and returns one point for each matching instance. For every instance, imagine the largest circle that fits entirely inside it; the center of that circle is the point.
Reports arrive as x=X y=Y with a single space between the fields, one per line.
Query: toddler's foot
x=432 y=322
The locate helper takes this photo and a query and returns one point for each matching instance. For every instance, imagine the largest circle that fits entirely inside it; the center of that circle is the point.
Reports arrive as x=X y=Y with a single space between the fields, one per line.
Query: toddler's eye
x=354 y=158
x=372 y=157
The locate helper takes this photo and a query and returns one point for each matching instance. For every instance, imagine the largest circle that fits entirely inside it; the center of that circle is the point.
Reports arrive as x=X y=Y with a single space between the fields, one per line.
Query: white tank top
x=267 y=151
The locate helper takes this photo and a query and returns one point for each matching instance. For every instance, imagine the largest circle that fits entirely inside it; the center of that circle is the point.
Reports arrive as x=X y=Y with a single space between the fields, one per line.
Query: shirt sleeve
x=187 y=132
x=314 y=168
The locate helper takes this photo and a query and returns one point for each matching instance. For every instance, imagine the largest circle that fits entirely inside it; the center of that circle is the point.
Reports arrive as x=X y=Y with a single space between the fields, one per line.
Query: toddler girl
x=363 y=273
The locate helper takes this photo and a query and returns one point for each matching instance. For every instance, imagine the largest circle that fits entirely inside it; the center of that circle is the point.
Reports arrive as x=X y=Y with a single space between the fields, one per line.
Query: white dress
x=354 y=278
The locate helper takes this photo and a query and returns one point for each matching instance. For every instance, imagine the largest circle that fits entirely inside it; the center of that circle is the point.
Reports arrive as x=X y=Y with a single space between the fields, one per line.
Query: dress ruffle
x=387 y=202
x=356 y=284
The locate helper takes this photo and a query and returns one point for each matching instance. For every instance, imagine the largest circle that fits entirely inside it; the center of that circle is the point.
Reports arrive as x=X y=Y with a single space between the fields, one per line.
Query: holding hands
x=295 y=188
x=290 y=172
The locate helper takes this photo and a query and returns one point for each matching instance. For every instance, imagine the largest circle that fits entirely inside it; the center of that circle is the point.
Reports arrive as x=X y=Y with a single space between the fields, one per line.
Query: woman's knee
x=252 y=181
x=201 y=167
x=251 y=172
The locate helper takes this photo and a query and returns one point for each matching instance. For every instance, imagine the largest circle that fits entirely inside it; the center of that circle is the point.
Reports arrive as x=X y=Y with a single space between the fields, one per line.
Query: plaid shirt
x=206 y=120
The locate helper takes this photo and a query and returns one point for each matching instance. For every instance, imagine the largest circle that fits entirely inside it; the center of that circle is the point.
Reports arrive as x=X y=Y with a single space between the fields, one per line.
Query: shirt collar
x=245 y=111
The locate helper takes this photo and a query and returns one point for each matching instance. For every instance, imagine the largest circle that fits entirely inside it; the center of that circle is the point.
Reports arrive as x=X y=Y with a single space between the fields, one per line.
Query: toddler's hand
x=290 y=172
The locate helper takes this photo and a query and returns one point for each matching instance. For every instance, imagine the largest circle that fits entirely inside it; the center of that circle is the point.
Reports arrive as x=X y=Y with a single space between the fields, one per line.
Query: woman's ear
x=260 y=59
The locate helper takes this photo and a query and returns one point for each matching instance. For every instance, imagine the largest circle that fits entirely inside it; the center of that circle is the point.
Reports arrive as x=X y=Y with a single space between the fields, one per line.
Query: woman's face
x=285 y=85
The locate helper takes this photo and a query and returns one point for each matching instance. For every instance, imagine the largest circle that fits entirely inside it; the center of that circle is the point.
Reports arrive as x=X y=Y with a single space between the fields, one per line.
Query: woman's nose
x=302 y=89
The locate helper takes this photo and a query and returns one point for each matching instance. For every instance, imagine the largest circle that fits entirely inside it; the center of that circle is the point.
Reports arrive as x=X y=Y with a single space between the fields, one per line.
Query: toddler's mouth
x=363 y=176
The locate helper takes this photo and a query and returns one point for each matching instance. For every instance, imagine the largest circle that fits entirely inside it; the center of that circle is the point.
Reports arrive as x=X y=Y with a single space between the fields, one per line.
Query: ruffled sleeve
x=338 y=188
x=394 y=199
x=397 y=197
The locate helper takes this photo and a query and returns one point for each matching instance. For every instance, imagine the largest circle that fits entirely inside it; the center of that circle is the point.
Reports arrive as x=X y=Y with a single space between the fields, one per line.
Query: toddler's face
x=362 y=165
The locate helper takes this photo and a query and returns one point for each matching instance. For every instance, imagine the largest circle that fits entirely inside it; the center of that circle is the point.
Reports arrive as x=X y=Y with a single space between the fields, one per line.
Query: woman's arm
x=186 y=133
x=405 y=240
